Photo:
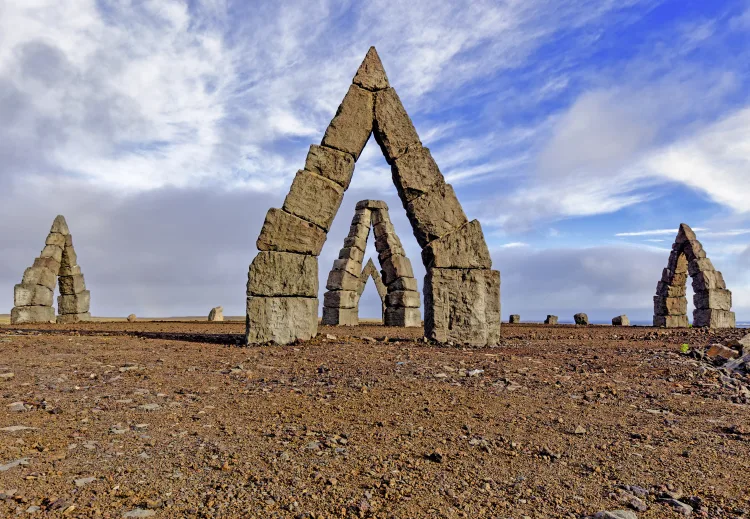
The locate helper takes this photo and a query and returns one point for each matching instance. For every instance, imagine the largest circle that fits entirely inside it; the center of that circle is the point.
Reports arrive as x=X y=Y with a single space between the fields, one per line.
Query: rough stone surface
x=32 y=314
x=403 y=284
x=54 y=238
x=671 y=321
x=342 y=280
x=717 y=299
x=352 y=125
x=551 y=319
x=393 y=128
x=69 y=257
x=621 y=320
x=39 y=276
x=714 y=319
x=581 y=319
x=340 y=316
x=460 y=305
x=670 y=305
x=52 y=251
x=352 y=253
x=73 y=318
x=402 y=316
x=700 y=265
x=32 y=295
x=281 y=320
x=132 y=318
x=463 y=248
x=371 y=204
x=216 y=314
x=370 y=271
x=331 y=164
x=283 y=274
x=49 y=263
x=314 y=199
x=514 y=319
x=415 y=173
x=435 y=214
x=371 y=74
x=59 y=225
x=667 y=290
x=406 y=298
x=341 y=299
x=396 y=266
x=71 y=284
x=74 y=304
x=710 y=280
x=284 y=232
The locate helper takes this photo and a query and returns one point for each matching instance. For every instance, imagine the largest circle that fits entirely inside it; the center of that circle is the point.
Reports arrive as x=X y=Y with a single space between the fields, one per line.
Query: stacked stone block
x=58 y=261
x=712 y=300
x=401 y=299
x=454 y=250
x=370 y=271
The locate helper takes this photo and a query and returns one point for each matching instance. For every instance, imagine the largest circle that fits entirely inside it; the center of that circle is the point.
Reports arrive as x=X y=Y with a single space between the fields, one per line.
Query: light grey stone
x=73 y=318
x=700 y=265
x=403 y=284
x=581 y=319
x=52 y=251
x=341 y=299
x=216 y=314
x=74 y=304
x=406 y=298
x=402 y=317
x=463 y=248
x=283 y=274
x=314 y=199
x=393 y=129
x=371 y=204
x=396 y=266
x=671 y=321
x=32 y=314
x=71 y=284
x=60 y=226
x=281 y=320
x=330 y=163
x=342 y=280
x=717 y=299
x=352 y=125
x=340 y=316
x=670 y=305
x=621 y=320
x=284 y=232
x=32 y=295
x=435 y=214
x=514 y=319
x=708 y=281
x=666 y=290
x=49 y=263
x=39 y=276
x=56 y=239
x=352 y=253
x=551 y=319
x=351 y=266
x=714 y=319
x=69 y=257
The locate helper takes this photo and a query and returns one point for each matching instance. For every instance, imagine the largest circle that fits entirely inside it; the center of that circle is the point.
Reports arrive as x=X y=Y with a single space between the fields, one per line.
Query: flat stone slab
x=32 y=295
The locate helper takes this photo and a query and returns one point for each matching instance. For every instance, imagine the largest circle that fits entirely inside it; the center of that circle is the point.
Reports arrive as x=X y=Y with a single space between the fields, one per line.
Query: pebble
x=7 y=376
x=139 y=512
x=33 y=509
x=16 y=428
x=678 y=506
x=149 y=407
x=580 y=430
x=16 y=463
x=16 y=407
x=616 y=514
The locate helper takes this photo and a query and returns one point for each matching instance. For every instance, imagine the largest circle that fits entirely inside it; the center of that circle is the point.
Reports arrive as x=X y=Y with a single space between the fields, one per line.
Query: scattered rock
x=581 y=319
x=580 y=430
x=216 y=314
x=82 y=482
x=139 y=512
x=7 y=376
x=17 y=407
x=16 y=428
x=149 y=407
x=621 y=320
x=12 y=464
x=132 y=318
x=616 y=514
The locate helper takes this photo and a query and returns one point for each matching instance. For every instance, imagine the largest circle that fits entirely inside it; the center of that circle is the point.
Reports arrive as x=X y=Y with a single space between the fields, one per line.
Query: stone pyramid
x=57 y=262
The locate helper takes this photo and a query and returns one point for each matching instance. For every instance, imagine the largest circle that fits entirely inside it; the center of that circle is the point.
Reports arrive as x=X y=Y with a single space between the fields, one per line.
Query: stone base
x=402 y=317
x=32 y=314
x=671 y=321
x=551 y=319
x=281 y=320
x=462 y=306
x=514 y=319
x=340 y=316
x=73 y=318
x=714 y=319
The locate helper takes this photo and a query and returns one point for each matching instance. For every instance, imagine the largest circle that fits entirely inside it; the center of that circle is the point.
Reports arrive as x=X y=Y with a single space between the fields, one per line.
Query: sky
x=579 y=133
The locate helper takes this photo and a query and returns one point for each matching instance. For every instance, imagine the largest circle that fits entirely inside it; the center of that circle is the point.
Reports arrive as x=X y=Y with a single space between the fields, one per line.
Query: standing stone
x=461 y=305
x=581 y=319
x=551 y=319
x=132 y=318
x=514 y=319
x=713 y=302
x=216 y=314
x=33 y=297
x=621 y=320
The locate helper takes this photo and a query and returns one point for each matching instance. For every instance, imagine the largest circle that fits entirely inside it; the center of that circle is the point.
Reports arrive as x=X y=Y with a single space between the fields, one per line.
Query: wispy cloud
x=656 y=232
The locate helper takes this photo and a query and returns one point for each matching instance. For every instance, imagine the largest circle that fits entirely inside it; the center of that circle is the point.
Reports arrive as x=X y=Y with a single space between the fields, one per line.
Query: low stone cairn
x=551 y=319
x=621 y=320
x=581 y=319
x=514 y=319
x=216 y=314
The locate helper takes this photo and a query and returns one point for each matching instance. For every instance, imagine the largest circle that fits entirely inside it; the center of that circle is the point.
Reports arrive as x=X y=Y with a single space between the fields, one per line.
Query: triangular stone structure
x=462 y=293
x=57 y=263
x=371 y=272
x=400 y=296
x=713 y=302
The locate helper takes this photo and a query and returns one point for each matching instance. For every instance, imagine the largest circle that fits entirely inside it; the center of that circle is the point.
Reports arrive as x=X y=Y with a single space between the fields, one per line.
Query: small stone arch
x=399 y=288
x=371 y=272
x=58 y=262
x=461 y=291
x=712 y=300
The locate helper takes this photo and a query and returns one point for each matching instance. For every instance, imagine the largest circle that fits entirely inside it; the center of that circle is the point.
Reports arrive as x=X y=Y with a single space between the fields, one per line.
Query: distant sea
x=743 y=324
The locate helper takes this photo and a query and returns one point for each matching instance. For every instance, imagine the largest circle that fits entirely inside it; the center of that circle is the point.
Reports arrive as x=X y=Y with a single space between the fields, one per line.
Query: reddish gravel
x=173 y=420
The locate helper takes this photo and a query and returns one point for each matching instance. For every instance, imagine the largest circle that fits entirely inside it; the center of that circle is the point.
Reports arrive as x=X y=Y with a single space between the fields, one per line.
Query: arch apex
x=371 y=74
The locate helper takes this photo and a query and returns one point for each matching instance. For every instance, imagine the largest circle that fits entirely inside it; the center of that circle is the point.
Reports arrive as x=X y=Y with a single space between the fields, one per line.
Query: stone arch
x=712 y=300
x=58 y=262
x=371 y=272
x=400 y=296
x=461 y=292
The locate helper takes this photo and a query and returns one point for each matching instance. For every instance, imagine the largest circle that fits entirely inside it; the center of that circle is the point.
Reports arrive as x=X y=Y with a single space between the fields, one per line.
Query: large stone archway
x=462 y=293
x=58 y=262
x=712 y=300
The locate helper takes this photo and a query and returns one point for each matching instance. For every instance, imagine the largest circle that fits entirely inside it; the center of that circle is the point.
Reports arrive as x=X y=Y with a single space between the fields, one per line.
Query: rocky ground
x=173 y=420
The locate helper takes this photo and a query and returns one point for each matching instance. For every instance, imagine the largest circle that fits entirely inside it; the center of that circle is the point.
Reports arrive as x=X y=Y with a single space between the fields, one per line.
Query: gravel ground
x=173 y=420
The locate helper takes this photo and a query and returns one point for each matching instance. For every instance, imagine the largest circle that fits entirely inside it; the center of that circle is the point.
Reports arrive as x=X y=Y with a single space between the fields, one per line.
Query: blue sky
x=163 y=130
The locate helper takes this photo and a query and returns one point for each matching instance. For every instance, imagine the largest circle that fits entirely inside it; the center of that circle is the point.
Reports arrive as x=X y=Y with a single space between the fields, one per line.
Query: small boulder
x=551 y=319
x=725 y=352
x=621 y=320
x=216 y=314
x=616 y=514
x=131 y=318
x=581 y=319
x=514 y=319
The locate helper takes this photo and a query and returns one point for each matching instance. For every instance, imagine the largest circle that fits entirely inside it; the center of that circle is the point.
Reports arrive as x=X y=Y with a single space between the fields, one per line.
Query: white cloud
x=657 y=232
